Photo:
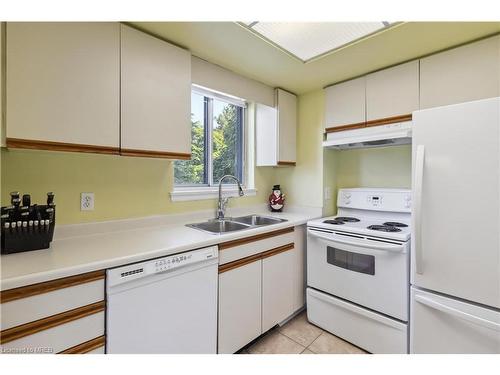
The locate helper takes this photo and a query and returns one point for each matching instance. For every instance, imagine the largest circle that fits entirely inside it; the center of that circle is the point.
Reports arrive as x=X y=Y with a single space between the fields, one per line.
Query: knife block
x=16 y=240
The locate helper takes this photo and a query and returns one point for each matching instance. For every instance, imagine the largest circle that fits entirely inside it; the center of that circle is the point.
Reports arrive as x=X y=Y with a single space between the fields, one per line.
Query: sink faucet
x=221 y=206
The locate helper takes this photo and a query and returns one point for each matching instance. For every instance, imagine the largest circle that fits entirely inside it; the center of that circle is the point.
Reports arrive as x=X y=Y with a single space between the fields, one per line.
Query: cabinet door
x=266 y=135
x=287 y=127
x=392 y=92
x=239 y=307
x=277 y=288
x=2 y=79
x=155 y=97
x=463 y=74
x=63 y=85
x=345 y=103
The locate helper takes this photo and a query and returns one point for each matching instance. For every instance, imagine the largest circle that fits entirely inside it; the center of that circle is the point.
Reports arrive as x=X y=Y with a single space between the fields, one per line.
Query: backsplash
x=124 y=187
x=385 y=167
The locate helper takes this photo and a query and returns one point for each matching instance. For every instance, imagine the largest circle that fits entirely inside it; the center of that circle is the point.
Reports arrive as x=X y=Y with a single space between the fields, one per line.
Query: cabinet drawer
x=94 y=346
x=372 y=331
x=241 y=248
x=34 y=302
x=59 y=337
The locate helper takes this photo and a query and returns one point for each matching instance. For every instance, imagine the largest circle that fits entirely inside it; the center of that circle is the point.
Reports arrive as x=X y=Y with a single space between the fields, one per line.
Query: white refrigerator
x=455 y=294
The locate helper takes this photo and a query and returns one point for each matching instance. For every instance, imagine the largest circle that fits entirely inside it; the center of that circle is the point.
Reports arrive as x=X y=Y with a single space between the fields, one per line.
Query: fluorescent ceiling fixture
x=308 y=40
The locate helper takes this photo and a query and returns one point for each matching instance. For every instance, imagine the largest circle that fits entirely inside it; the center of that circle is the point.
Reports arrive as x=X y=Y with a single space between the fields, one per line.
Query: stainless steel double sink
x=235 y=223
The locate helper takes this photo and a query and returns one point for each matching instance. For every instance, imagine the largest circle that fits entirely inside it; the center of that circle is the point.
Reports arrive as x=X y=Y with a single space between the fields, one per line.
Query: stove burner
x=335 y=222
x=395 y=224
x=347 y=219
x=384 y=228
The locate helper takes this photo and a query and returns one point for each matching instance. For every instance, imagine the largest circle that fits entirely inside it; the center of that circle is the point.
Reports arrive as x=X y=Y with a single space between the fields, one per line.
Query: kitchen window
x=217 y=148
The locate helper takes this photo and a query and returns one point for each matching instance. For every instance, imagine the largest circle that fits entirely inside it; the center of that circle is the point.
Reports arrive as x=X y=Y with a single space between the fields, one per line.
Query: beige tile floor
x=298 y=336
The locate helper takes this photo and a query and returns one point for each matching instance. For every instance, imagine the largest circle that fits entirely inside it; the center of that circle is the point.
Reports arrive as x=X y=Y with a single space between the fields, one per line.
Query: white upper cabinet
x=266 y=130
x=345 y=103
x=276 y=131
x=462 y=74
x=392 y=92
x=2 y=112
x=155 y=97
x=63 y=86
x=287 y=127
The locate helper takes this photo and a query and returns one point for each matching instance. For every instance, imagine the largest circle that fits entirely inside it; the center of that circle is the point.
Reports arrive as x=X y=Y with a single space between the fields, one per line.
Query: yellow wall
x=123 y=186
x=303 y=183
x=317 y=168
x=375 y=167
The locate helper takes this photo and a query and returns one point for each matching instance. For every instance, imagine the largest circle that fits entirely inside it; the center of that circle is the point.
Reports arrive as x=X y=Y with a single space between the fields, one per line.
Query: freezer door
x=455 y=239
x=444 y=325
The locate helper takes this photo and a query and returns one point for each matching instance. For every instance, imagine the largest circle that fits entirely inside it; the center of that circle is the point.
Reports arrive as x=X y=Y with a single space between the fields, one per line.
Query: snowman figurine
x=276 y=199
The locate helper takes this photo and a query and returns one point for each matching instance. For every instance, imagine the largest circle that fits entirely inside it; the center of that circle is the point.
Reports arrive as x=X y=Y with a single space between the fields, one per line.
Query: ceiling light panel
x=307 y=40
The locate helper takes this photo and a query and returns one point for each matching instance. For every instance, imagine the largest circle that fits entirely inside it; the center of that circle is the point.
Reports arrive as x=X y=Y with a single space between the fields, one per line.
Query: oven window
x=351 y=261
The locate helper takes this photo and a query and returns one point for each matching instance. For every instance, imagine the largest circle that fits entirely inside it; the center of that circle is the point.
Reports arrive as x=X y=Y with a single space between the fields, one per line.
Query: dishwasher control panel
x=180 y=260
x=139 y=270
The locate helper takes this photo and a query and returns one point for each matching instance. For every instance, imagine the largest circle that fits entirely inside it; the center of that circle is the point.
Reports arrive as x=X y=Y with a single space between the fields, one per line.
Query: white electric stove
x=358 y=269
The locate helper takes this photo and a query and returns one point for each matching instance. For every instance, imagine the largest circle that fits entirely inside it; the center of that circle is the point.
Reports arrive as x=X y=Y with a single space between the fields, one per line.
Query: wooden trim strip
x=155 y=154
x=31 y=328
x=389 y=120
x=49 y=286
x=86 y=347
x=253 y=258
x=376 y=122
x=341 y=128
x=60 y=146
x=277 y=250
x=258 y=237
x=287 y=163
x=239 y=263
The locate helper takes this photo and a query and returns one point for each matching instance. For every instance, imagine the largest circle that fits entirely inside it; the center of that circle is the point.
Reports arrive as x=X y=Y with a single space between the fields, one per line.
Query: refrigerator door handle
x=417 y=208
x=458 y=313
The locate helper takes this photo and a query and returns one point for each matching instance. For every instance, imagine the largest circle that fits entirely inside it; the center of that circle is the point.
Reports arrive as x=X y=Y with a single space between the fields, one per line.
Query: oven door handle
x=333 y=239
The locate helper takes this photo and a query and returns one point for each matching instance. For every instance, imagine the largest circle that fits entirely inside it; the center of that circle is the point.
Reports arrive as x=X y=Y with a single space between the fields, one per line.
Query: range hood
x=372 y=136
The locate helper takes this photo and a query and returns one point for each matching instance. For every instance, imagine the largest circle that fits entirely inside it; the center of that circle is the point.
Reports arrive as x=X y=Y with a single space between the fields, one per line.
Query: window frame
x=209 y=189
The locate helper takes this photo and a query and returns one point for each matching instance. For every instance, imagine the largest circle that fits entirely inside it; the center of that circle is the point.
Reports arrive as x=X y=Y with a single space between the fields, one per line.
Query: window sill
x=200 y=193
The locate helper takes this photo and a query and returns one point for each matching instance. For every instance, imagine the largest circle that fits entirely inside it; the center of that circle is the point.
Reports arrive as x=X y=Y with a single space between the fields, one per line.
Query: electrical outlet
x=87 y=202
x=327 y=193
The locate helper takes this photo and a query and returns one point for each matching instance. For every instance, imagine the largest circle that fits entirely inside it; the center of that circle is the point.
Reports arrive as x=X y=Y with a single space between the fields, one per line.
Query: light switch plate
x=327 y=193
x=87 y=202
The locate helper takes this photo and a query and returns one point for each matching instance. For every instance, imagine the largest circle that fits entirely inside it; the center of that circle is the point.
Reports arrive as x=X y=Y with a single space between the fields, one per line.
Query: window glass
x=191 y=172
x=217 y=143
x=226 y=141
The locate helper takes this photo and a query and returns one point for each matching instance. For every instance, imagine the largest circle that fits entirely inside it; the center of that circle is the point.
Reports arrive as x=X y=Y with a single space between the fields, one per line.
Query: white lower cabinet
x=239 y=307
x=58 y=316
x=261 y=288
x=277 y=291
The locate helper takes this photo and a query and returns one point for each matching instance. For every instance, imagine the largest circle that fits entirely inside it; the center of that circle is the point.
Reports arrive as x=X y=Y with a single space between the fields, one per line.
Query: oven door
x=368 y=271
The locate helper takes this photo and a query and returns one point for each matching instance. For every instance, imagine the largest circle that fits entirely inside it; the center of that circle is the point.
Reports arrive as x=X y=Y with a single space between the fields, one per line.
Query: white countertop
x=83 y=248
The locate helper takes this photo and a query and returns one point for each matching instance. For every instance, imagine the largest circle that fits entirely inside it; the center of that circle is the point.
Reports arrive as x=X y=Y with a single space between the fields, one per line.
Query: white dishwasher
x=165 y=305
